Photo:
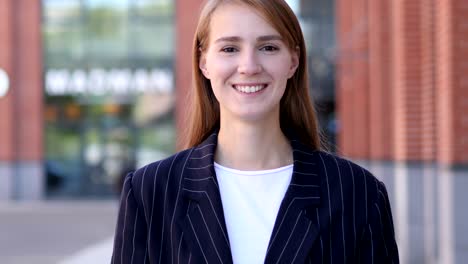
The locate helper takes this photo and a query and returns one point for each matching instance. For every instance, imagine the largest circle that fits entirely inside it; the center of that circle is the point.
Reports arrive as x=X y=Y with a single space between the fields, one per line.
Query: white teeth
x=248 y=88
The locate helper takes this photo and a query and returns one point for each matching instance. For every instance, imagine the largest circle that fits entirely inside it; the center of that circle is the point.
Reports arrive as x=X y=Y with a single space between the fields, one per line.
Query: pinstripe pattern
x=333 y=212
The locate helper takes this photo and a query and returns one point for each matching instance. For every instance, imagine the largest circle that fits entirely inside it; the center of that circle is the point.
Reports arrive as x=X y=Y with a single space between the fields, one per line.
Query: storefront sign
x=98 y=81
x=4 y=83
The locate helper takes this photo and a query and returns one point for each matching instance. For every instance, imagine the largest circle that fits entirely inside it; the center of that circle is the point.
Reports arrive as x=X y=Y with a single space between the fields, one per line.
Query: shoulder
x=156 y=175
x=334 y=161
x=350 y=175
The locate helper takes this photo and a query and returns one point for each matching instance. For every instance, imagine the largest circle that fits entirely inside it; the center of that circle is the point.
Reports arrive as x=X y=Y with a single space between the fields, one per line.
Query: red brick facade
x=452 y=80
x=6 y=103
x=187 y=13
x=380 y=81
x=407 y=86
x=344 y=68
x=360 y=77
x=21 y=133
x=428 y=75
x=402 y=80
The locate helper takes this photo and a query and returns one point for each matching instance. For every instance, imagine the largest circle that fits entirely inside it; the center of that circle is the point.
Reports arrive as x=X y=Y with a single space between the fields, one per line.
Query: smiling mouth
x=249 y=88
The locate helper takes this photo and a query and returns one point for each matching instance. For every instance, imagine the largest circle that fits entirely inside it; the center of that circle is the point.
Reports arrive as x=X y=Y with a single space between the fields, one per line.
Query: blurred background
x=92 y=89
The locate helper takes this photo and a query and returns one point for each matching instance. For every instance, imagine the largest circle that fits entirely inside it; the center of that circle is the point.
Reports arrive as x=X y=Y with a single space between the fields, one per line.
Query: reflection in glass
x=109 y=91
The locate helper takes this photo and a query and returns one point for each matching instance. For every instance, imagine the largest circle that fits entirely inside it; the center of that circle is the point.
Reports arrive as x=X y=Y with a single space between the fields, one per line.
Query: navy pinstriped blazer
x=333 y=212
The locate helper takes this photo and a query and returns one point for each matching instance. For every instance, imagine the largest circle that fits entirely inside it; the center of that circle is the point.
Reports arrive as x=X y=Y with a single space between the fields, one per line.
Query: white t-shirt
x=251 y=200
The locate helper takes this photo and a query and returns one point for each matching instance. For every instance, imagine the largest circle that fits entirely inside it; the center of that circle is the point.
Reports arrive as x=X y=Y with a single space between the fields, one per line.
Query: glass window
x=106 y=64
x=61 y=12
x=153 y=8
x=317 y=18
x=152 y=41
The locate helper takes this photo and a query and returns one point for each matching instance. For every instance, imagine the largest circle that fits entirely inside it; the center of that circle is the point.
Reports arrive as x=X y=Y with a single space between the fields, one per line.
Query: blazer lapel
x=296 y=226
x=204 y=224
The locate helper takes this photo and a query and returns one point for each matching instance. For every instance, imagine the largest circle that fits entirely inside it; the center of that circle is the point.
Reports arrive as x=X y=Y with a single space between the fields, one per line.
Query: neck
x=257 y=145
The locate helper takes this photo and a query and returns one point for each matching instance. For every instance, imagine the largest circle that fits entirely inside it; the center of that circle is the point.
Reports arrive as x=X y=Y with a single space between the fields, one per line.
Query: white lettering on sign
x=4 y=83
x=114 y=81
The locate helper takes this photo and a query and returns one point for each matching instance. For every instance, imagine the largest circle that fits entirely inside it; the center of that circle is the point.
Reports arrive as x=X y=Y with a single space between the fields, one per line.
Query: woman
x=253 y=185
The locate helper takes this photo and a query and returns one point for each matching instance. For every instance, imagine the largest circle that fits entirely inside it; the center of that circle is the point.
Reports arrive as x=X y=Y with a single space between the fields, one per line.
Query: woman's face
x=247 y=63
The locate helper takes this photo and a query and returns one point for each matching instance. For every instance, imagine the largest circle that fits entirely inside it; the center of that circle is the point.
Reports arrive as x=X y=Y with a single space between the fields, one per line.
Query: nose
x=249 y=64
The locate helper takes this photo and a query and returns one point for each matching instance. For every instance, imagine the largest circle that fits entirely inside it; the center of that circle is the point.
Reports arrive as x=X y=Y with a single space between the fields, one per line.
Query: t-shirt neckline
x=252 y=172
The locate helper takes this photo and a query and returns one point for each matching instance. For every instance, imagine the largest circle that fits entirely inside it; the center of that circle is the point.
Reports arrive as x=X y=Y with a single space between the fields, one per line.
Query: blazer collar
x=296 y=221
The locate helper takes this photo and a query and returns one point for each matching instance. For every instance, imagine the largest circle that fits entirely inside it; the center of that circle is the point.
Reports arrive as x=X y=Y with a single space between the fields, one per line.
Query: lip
x=249 y=84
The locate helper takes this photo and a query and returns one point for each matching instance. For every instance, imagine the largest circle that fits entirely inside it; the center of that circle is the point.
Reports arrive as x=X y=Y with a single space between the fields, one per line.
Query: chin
x=254 y=116
x=250 y=113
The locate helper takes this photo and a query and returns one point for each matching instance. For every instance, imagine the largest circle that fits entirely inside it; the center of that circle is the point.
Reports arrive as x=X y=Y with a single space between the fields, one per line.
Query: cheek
x=279 y=67
x=279 y=71
x=220 y=68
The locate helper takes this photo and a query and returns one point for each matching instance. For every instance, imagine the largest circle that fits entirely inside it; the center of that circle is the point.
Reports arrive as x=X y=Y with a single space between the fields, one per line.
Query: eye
x=269 y=48
x=228 y=49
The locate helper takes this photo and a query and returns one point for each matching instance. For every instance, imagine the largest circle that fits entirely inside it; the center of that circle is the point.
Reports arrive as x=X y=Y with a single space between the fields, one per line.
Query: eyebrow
x=238 y=39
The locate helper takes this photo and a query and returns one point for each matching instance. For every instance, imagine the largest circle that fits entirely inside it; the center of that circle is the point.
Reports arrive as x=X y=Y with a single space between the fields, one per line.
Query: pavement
x=64 y=232
x=96 y=253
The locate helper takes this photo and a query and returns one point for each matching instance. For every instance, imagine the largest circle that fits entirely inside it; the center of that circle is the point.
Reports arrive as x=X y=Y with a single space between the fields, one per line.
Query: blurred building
x=91 y=94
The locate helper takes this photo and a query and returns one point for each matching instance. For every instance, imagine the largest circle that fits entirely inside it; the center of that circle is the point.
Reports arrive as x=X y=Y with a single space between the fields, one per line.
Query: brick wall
x=407 y=86
x=187 y=13
x=452 y=80
x=428 y=75
x=344 y=70
x=417 y=80
x=460 y=24
x=380 y=81
x=21 y=110
x=21 y=123
x=28 y=80
x=6 y=103
x=360 y=79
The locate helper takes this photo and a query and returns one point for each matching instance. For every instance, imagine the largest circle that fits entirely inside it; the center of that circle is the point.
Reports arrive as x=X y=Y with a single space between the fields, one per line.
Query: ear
x=202 y=65
x=294 y=62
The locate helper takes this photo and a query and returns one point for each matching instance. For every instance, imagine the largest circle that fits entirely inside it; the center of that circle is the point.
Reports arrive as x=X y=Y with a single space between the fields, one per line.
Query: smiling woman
x=253 y=185
x=248 y=70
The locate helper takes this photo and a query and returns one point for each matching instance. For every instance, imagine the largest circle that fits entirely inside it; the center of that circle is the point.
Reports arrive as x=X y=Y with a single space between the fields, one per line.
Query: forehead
x=239 y=20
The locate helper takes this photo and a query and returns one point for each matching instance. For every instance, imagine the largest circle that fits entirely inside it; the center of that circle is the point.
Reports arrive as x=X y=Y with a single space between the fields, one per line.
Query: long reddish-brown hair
x=296 y=109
